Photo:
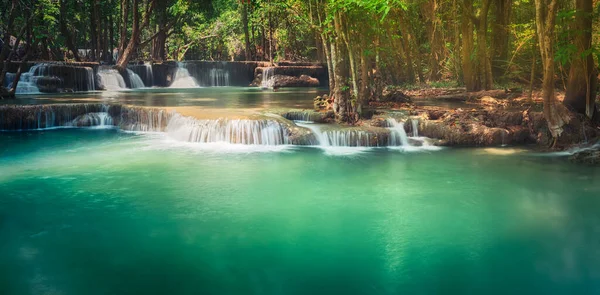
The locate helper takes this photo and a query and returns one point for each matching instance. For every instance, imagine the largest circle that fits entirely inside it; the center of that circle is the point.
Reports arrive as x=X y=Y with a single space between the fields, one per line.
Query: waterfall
x=415 y=127
x=182 y=78
x=111 y=79
x=346 y=137
x=256 y=132
x=219 y=77
x=144 y=119
x=149 y=74
x=135 y=80
x=100 y=119
x=398 y=135
x=91 y=84
x=32 y=117
x=267 y=77
x=28 y=80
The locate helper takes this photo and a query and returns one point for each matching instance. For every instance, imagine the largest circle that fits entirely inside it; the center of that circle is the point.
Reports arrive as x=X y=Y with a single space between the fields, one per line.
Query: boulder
x=49 y=84
x=293 y=81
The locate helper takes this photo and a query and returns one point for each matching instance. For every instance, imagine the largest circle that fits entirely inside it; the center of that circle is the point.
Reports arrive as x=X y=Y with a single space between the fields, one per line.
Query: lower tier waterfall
x=258 y=129
x=239 y=131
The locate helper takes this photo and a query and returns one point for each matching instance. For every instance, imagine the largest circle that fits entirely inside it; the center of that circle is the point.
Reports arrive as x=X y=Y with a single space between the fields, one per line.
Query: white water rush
x=182 y=78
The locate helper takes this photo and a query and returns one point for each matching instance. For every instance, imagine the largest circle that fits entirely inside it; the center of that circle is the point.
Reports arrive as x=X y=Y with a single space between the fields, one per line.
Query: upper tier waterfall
x=111 y=79
x=182 y=78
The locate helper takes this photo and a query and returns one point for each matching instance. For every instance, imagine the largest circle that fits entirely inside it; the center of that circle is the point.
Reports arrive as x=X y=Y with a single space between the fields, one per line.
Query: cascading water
x=267 y=77
x=90 y=79
x=149 y=74
x=219 y=77
x=182 y=78
x=135 y=80
x=111 y=79
x=398 y=136
x=415 y=127
x=100 y=119
x=346 y=137
x=28 y=80
x=252 y=132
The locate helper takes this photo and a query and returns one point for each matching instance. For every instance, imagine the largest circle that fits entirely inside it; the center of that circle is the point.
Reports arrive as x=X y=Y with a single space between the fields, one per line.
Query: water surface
x=107 y=212
x=205 y=97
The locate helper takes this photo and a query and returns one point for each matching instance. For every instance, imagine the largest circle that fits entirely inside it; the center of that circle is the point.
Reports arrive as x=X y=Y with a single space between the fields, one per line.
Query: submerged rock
x=587 y=156
x=309 y=115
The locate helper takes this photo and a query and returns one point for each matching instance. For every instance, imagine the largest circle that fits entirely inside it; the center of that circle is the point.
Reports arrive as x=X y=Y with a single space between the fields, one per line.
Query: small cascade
x=28 y=80
x=100 y=119
x=144 y=119
x=135 y=80
x=346 y=137
x=398 y=135
x=267 y=77
x=415 y=127
x=33 y=117
x=219 y=77
x=111 y=79
x=149 y=74
x=182 y=78
x=91 y=84
x=254 y=132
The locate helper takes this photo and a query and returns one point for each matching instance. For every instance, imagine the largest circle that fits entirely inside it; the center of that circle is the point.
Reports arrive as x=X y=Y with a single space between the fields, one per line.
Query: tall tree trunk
x=345 y=32
x=555 y=113
x=581 y=87
x=483 y=57
x=64 y=30
x=244 y=13
x=500 y=36
x=111 y=34
x=470 y=76
x=159 y=42
x=343 y=108
x=124 y=24
x=98 y=23
x=456 y=54
x=134 y=40
x=435 y=39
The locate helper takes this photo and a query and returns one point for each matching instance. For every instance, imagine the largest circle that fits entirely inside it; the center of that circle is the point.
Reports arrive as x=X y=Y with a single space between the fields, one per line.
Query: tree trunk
x=111 y=35
x=64 y=30
x=134 y=40
x=244 y=13
x=343 y=107
x=435 y=40
x=581 y=87
x=500 y=36
x=124 y=23
x=468 y=67
x=555 y=113
x=456 y=54
x=345 y=32
x=483 y=57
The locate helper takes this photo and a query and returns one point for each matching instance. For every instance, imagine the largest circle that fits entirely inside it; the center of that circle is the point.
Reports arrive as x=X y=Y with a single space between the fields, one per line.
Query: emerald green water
x=105 y=212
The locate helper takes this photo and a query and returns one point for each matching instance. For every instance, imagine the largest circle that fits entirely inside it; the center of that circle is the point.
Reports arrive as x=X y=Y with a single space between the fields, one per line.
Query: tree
x=555 y=113
x=581 y=87
x=134 y=40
